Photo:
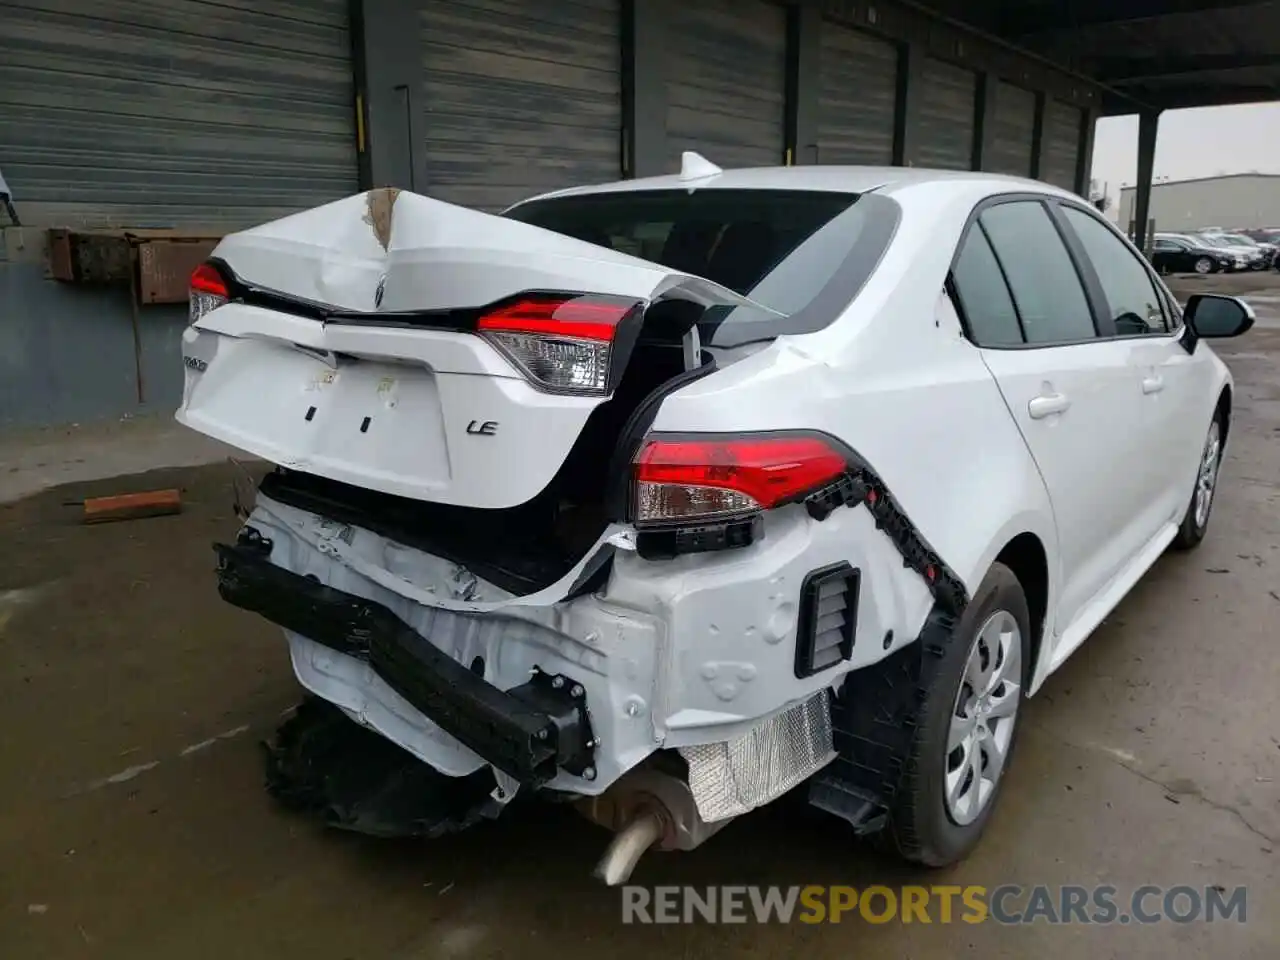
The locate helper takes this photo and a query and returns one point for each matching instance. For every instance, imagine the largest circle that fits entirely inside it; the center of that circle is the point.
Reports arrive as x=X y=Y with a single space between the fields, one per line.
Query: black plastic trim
x=528 y=732
x=810 y=591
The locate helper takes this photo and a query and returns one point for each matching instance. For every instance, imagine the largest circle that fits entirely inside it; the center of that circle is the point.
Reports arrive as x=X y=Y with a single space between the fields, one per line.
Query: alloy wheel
x=1207 y=478
x=1203 y=265
x=982 y=720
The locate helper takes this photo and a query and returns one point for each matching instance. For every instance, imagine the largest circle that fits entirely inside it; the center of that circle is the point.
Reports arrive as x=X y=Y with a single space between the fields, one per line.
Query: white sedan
x=676 y=494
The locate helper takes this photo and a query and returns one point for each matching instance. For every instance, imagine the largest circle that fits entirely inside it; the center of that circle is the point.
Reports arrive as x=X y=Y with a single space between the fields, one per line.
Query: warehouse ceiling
x=1160 y=54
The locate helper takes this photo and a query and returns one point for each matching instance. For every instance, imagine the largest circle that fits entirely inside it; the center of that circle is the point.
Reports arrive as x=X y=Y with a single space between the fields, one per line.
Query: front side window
x=1046 y=289
x=1131 y=294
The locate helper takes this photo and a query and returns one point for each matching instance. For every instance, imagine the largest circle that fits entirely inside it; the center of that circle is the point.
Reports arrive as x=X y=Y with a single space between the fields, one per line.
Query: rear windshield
x=803 y=254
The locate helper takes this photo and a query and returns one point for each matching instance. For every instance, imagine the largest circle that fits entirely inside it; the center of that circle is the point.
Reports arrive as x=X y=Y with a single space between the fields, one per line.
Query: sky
x=1202 y=142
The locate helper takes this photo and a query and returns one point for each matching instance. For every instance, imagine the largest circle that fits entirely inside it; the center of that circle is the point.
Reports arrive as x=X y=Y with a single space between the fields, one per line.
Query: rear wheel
x=1204 y=265
x=1196 y=520
x=968 y=727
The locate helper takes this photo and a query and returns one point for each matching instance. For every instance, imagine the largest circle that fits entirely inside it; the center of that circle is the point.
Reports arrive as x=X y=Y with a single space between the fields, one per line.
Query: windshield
x=1239 y=239
x=803 y=254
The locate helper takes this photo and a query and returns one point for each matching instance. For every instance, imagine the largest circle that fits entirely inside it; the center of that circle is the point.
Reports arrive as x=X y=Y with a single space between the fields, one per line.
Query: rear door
x=1073 y=394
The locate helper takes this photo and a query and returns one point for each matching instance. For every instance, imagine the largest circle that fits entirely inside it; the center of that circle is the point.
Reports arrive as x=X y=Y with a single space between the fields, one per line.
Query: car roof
x=818 y=177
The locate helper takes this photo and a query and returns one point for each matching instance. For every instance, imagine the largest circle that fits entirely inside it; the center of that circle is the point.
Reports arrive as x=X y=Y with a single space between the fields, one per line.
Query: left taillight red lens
x=679 y=480
x=207 y=291
x=563 y=344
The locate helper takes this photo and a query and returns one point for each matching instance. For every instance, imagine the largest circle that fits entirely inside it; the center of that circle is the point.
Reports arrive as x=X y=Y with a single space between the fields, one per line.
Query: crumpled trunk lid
x=321 y=366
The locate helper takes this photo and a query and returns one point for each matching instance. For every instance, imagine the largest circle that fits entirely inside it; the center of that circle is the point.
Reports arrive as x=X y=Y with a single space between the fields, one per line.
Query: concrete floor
x=133 y=822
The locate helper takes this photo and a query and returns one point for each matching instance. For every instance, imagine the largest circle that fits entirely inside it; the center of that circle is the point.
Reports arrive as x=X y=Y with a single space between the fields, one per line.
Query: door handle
x=1152 y=384
x=1047 y=405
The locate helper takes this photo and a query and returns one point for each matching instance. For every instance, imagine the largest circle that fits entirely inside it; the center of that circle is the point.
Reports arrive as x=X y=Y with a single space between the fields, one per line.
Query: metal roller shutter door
x=858 y=97
x=1015 y=128
x=945 y=135
x=137 y=113
x=726 y=82
x=520 y=97
x=1061 y=151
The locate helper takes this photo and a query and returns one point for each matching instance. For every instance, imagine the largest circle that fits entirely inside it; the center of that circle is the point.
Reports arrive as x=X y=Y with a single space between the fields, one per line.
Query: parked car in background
x=1268 y=239
x=1249 y=255
x=1173 y=253
x=1264 y=254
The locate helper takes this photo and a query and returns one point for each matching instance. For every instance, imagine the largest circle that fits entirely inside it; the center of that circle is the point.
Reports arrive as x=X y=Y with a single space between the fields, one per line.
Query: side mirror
x=1212 y=315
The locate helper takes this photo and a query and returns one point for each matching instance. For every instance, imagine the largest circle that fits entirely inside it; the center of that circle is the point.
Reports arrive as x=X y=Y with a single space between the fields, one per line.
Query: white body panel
x=697 y=649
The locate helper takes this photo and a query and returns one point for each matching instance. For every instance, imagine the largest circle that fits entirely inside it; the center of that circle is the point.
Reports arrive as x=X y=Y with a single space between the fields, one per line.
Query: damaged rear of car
x=504 y=530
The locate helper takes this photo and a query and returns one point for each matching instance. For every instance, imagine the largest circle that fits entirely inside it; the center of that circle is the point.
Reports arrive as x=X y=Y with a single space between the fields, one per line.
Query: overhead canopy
x=1149 y=54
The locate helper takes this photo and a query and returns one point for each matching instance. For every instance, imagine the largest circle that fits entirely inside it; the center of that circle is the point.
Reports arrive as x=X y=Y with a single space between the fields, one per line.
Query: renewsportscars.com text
x=1010 y=904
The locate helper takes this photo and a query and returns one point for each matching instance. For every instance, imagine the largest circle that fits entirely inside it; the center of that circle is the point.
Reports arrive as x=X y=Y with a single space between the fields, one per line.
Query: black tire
x=1190 y=531
x=920 y=827
x=1209 y=266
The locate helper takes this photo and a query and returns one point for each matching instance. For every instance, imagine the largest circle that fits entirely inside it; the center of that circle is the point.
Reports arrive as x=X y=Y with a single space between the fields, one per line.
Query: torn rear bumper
x=529 y=732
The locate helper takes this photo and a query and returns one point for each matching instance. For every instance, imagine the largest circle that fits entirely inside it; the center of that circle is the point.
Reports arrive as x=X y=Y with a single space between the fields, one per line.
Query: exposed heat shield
x=731 y=778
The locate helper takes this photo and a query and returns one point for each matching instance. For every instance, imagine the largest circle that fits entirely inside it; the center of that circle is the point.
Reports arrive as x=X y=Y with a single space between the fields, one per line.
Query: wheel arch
x=1224 y=410
x=1025 y=555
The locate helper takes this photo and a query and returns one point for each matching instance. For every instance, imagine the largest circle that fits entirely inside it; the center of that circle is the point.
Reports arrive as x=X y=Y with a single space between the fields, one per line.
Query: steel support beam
x=804 y=83
x=984 y=133
x=644 y=87
x=390 y=124
x=1060 y=17
x=1084 y=159
x=1148 y=129
x=906 y=121
x=1037 y=135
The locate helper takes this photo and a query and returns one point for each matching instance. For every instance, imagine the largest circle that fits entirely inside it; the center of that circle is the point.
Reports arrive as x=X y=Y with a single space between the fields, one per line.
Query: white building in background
x=1237 y=200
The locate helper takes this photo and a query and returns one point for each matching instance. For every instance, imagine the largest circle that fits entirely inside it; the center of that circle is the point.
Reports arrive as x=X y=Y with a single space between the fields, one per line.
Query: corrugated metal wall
x=181 y=112
x=520 y=97
x=1062 y=123
x=1014 y=124
x=726 y=82
x=947 y=112
x=858 y=98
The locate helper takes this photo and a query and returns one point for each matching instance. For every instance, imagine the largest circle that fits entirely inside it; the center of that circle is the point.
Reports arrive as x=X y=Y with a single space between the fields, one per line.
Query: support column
x=1084 y=159
x=984 y=131
x=906 y=123
x=644 y=87
x=804 y=83
x=1037 y=136
x=387 y=50
x=1148 y=129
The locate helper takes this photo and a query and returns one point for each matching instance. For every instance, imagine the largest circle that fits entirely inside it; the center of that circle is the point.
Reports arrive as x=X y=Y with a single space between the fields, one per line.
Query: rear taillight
x=681 y=480
x=206 y=291
x=563 y=344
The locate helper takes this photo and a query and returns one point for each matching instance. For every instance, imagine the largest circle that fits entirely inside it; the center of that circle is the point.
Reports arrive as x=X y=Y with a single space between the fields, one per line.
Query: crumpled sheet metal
x=733 y=777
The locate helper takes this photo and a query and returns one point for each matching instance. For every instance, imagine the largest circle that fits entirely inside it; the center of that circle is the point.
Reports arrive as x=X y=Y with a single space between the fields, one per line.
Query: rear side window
x=800 y=253
x=1130 y=292
x=1046 y=288
x=984 y=297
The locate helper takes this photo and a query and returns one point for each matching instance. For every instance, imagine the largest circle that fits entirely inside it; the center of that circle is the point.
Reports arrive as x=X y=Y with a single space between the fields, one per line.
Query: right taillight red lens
x=206 y=291
x=679 y=480
x=565 y=344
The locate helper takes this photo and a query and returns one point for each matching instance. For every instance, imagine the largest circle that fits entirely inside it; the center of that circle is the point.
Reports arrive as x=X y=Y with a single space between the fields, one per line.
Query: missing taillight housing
x=573 y=344
x=207 y=290
x=691 y=479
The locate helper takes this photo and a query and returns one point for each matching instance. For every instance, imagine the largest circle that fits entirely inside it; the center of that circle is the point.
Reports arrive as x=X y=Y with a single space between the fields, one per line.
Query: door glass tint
x=1046 y=288
x=1131 y=295
x=984 y=297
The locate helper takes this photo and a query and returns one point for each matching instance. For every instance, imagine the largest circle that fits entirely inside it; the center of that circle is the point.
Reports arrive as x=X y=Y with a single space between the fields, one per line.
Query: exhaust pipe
x=628 y=847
